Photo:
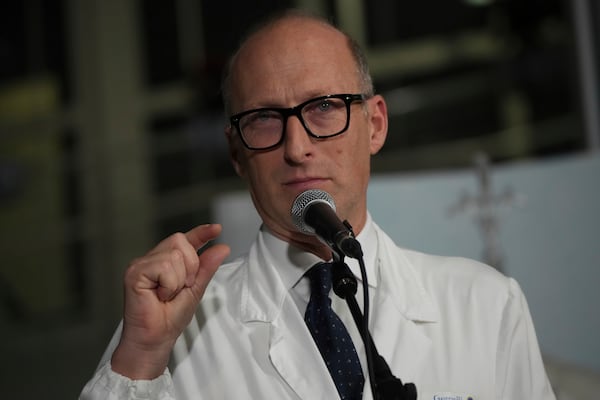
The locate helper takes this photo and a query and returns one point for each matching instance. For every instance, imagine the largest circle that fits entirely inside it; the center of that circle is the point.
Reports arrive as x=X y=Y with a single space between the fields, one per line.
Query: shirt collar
x=292 y=263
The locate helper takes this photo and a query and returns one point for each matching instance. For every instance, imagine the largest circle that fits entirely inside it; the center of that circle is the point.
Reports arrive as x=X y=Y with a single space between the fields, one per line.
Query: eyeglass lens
x=321 y=117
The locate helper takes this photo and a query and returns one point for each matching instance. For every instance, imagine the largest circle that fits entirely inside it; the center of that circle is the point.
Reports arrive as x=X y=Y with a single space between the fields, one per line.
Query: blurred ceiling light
x=478 y=3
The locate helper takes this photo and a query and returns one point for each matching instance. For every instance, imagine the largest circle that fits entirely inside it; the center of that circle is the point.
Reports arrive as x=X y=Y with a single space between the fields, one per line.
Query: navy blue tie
x=331 y=336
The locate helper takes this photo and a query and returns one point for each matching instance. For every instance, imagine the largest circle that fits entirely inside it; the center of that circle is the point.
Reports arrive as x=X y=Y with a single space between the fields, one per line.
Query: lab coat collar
x=263 y=291
x=400 y=280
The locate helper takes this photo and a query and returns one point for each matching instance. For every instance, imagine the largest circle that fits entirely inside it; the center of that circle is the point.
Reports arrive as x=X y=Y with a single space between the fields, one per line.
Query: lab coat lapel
x=404 y=344
x=297 y=359
x=291 y=348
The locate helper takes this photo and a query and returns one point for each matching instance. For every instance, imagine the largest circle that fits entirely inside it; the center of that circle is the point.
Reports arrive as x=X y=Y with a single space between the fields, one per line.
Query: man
x=453 y=327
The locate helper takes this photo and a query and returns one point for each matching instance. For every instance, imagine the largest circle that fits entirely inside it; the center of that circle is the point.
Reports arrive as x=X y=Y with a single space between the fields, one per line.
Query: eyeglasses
x=321 y=117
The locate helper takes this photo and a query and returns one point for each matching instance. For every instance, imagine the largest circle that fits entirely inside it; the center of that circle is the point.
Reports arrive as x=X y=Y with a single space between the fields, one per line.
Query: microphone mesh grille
x=301 y=204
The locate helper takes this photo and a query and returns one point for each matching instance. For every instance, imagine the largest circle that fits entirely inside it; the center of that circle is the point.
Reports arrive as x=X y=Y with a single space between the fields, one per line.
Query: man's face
x=283 y=67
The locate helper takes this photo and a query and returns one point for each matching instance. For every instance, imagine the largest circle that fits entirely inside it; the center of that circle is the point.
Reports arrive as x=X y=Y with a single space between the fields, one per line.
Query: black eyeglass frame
x=297 y=112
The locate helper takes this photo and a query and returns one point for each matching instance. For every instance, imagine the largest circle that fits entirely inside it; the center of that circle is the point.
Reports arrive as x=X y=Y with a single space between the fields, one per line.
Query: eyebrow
x=310 y=95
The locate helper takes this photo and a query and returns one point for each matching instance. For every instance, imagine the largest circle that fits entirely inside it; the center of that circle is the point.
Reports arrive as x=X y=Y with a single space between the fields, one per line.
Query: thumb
x=210 y=260
x=186 y=302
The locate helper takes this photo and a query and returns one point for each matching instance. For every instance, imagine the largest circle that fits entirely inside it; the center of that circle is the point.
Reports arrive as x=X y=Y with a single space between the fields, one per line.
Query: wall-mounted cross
x=484 y=208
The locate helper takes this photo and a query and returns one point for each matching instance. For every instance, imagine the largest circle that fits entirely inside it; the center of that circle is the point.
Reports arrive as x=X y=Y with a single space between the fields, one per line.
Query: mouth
x=305 y=183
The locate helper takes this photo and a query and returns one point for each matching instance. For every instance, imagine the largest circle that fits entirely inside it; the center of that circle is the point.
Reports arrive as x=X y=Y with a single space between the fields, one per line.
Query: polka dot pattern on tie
x=331 y=336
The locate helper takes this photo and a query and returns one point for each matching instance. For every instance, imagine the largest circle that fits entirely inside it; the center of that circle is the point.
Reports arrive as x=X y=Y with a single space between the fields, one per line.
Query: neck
x=310 y=244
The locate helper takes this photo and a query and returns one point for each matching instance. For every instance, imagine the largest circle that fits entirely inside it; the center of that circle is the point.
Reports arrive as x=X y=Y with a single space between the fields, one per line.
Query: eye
x=259 y=118
x=324 y=105
x=264 y=115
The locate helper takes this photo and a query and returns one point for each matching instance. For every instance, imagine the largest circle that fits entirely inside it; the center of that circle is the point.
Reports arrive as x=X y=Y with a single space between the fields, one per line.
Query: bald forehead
x=290 y=45
x=289 y=32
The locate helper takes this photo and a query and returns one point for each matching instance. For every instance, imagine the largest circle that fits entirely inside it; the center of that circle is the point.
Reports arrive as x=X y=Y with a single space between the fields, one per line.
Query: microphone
x=313 y=212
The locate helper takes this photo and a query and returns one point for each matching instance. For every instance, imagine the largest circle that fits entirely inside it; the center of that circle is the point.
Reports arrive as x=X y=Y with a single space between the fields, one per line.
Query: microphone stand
x=384 y=385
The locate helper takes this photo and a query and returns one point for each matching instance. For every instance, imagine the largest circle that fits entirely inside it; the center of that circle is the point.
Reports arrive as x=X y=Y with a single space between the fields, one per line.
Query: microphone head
x=302 y=203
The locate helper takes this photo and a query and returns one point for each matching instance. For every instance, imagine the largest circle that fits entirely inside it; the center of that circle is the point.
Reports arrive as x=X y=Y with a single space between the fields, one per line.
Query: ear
x=378 y=120
x=234 y=151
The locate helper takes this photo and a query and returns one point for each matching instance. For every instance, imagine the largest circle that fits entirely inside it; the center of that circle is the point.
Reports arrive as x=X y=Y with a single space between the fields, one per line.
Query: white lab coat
x=457 y=329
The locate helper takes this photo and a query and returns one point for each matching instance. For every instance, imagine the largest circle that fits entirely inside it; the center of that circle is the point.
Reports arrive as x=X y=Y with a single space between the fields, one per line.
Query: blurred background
x=111 y=139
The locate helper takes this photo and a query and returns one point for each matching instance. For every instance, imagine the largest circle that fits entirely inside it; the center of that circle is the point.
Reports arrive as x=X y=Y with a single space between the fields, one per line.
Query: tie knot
x=320 y=279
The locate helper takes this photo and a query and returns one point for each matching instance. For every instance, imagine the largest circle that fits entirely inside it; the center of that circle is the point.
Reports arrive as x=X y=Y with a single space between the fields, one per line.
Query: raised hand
x=162 y=290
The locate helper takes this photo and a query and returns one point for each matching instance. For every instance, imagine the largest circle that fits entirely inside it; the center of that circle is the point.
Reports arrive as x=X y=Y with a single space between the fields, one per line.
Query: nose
x=297 y=144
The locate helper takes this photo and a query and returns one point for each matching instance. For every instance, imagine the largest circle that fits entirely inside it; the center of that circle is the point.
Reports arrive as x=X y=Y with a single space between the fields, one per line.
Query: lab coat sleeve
x=520 y=370
x=109 y=385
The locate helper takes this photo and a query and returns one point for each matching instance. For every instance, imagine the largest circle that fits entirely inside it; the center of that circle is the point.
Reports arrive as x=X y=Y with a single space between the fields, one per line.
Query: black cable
x=345 y=285
x=365 y=323
x=384 y=385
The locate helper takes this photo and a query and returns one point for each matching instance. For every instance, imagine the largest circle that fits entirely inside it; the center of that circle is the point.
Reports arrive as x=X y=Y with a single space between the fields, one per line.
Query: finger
x=171 y=276
x=189 y=243
x=180 y=243
x=210 y=260
x=163 y=272
x=203 y=234
x=196 y=237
